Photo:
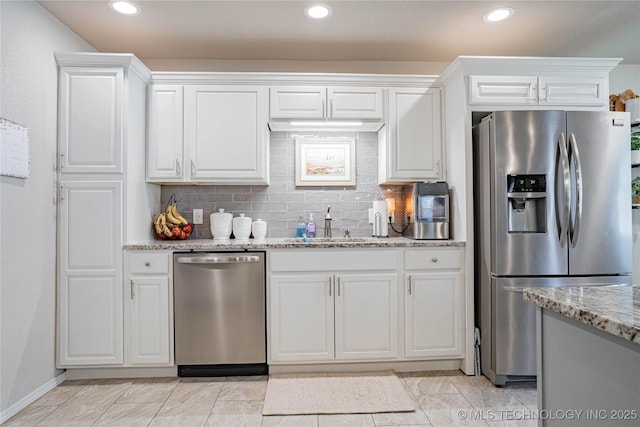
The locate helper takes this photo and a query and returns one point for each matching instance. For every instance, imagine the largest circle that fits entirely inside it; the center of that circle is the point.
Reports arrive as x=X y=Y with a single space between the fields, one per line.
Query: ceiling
x=359 y=30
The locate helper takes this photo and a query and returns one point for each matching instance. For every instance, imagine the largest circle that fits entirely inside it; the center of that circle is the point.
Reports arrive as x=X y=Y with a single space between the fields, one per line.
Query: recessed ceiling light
x=498 y=15
x=124 y=7
x=318 y=11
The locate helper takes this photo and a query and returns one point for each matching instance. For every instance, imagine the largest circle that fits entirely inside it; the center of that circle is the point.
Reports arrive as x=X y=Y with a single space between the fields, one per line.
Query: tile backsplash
x=281 y=203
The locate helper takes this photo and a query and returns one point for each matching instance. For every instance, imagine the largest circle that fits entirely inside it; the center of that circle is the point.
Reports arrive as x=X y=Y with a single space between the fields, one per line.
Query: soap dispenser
x=301 y=228
x=311 y=227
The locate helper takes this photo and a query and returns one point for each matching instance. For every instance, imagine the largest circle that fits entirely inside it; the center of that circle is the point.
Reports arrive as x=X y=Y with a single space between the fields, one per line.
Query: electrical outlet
x=197 y=216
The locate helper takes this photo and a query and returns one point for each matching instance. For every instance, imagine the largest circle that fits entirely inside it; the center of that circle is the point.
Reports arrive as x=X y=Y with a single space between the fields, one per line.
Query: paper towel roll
x=380 y=219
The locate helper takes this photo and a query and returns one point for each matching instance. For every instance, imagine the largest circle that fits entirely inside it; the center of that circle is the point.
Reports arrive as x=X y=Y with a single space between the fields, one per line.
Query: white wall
x=28 y=95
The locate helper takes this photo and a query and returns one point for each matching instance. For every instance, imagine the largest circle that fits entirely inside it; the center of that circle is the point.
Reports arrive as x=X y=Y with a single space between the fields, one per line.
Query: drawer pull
x=147 y=264
x=410 y=285
x=434 y=259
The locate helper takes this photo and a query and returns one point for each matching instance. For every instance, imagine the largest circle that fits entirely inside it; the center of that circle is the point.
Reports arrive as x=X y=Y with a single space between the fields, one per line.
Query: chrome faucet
x=327 y=223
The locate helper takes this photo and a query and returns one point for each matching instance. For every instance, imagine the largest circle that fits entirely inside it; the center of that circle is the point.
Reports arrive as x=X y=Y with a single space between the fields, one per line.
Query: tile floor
x=444 y=398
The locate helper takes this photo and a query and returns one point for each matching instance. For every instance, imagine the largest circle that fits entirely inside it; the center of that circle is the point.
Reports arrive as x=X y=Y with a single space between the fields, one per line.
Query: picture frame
x=325 y=162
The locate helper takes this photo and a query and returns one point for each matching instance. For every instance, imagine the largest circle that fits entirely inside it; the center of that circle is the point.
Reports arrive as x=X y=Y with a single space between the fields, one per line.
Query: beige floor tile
x=244 y=389
x=149 y=390
x=528 y=398
x=496 y=398
x=236 y=413
x=29 y=416
x=429 y=385
x=448 y=410
x=60 y=394
x=466 y=381
x=517 y=423
x=346 y=420
x=189 y=404
x=416 y=417
x=290 y=421
x=88 y=404
x=128 y=415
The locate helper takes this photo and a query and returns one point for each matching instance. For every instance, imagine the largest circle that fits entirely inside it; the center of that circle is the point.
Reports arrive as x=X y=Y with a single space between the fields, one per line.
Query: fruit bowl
x=170 y=225
x=177 y=232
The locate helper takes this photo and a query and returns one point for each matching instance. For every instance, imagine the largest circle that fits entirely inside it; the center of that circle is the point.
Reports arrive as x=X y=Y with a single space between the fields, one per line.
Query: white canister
x=242 y=227
x=221 y=225
x=259 y=229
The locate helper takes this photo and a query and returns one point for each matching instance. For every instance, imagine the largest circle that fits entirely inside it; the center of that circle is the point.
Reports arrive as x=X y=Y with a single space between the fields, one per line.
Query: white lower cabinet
x=366 y=316
x=346 y=305
x=302 y=317
x=434 y=303
x=333 y=310
x=148 y=305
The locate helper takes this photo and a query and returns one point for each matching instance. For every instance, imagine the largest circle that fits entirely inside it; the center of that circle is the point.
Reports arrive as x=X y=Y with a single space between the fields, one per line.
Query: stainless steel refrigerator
x=552 y=208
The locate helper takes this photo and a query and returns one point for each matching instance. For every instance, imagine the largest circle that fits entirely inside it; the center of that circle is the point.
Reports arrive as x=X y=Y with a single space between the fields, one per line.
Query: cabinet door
x=227 y=134
x=164 y=143
x=355 y=103
x=90 y=273
x=366 y=316
x=434 y=314
x=586 y=91
x=506 y=90
x=414 y=150
x=301 y=318
x=150 y=326
x=297 y=102
x=90 y=120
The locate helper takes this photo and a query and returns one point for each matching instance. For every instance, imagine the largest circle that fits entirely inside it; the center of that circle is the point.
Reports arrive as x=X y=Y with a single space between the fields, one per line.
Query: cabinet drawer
x=149 y=262
x=433 y=259
x=333 y=260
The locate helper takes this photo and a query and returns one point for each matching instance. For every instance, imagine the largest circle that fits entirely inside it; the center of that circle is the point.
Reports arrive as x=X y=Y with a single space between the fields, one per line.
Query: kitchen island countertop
x=613 y=309
x=292 y=243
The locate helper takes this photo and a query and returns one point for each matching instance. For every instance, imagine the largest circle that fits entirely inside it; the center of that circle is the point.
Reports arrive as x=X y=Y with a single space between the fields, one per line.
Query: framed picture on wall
x=325 y=161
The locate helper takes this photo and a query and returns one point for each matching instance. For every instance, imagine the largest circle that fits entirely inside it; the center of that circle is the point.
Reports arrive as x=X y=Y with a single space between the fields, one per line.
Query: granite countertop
x=614 y=309
x=292 y=243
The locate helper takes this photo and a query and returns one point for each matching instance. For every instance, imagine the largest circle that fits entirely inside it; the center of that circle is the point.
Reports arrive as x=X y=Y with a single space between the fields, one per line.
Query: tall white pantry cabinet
x=103 y=200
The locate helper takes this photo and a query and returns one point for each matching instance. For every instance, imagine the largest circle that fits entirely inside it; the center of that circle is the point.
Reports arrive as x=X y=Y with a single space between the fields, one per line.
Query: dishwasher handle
x=219 y=259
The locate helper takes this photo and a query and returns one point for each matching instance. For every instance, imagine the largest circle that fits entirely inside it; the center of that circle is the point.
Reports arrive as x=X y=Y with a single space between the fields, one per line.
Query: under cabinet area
x=208 y=134
x=319 y=102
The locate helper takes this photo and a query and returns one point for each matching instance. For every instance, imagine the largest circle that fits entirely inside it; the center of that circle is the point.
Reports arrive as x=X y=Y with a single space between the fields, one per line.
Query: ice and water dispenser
x=527 y=203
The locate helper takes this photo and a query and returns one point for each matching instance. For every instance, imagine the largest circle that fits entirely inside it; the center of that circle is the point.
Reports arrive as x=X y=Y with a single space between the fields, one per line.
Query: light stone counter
x=613 y=309
x=291 y=243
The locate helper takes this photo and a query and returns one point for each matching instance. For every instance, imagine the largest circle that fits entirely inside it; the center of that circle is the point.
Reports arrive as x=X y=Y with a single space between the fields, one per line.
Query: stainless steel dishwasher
x=219 y=309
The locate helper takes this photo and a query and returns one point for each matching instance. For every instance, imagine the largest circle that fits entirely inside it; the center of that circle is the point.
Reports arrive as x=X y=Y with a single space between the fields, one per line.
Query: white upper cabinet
x=411 y=146
x=319 y=102
x=538 y=90
x=226 y=133
x=90 y=119
x=165 y=141
x=214 y=134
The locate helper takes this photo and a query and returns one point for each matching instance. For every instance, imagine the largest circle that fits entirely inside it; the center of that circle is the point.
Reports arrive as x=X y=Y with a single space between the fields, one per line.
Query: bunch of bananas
x=171 y=225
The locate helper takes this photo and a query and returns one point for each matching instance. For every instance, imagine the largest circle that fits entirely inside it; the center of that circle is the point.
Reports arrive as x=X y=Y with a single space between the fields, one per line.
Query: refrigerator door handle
x=566 y=185
x=575 y=227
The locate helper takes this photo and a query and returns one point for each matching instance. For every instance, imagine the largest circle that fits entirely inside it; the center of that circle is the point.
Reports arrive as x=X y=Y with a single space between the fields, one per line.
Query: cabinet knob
x=434 y=259
x=147 y=264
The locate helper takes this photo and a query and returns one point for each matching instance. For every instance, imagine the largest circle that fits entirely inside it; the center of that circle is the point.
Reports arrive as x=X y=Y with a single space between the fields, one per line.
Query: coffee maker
x=427 y=207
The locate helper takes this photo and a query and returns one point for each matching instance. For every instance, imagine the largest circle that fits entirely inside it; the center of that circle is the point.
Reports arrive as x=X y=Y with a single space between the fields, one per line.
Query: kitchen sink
x=327 y=240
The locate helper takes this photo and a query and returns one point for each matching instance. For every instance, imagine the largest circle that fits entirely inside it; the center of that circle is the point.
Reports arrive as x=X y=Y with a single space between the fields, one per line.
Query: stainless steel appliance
x=427 y=205
x=552 y=209
x=219 y=309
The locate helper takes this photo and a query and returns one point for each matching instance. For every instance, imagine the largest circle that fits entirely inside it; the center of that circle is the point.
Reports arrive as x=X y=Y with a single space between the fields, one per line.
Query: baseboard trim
x=404 y=366
x=32 y=397
x=101 y=373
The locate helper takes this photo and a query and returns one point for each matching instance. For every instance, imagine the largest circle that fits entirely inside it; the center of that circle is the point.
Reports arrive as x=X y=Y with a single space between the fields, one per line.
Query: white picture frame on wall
x=322 y=162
